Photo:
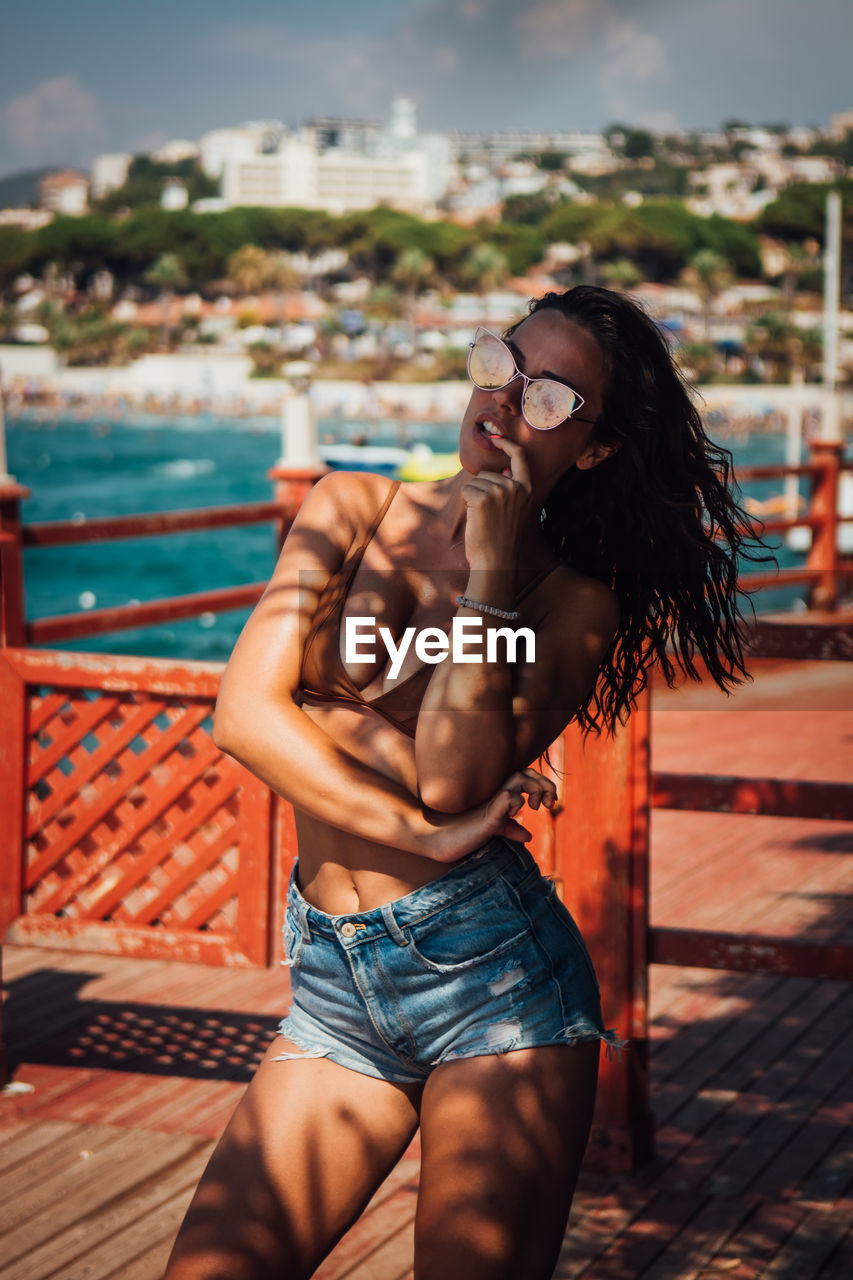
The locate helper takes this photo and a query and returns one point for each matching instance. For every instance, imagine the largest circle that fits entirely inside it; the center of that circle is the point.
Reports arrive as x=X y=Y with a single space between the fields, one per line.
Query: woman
x=437 y=981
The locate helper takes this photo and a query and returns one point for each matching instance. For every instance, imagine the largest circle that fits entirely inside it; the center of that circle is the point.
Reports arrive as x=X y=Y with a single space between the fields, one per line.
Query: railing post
x=290 y=487
x=602 y=861
x=12 y=613
x=824 y=508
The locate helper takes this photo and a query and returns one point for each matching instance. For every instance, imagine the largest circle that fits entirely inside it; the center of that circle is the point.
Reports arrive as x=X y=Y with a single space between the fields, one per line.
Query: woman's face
x=546 y=344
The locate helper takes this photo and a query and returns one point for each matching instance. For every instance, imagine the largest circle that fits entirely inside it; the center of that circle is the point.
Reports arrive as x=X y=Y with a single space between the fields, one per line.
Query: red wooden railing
x=125 y=830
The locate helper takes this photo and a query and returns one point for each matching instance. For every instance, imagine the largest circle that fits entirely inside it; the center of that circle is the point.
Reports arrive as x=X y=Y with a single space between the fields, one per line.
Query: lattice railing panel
x=120 y=809
x=134 y=823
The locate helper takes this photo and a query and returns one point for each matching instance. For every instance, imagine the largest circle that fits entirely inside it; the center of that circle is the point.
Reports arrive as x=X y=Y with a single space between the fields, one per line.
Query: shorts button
x=348 y=929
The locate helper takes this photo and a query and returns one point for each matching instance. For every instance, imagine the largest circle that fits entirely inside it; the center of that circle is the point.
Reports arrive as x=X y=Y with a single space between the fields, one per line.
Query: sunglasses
x=545 y=403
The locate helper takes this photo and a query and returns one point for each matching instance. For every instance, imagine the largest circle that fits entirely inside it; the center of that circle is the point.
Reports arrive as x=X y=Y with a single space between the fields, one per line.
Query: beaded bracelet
x=510 y=614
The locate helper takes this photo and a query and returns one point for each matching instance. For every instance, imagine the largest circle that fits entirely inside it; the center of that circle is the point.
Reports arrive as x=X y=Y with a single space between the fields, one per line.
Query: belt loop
x=303 y=922
x=393 y=928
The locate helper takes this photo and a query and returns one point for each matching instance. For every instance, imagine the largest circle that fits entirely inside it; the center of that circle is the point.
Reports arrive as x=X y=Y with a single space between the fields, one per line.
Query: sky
x=81 y=77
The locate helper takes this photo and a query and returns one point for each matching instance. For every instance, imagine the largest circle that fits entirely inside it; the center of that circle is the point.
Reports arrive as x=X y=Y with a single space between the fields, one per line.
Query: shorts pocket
x=292 y=938
x=481 y=927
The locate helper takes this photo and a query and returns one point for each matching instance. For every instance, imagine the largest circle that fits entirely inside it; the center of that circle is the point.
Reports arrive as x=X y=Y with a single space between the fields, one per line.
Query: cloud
x=145 y=143
x=631 y=62
x=560 y=29
x=463 y=62
x=345 y=72
x=57 y=116
x=636 y=60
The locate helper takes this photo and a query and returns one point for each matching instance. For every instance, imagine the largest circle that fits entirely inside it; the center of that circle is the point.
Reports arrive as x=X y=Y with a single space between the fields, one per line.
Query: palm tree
x=251 y=269
x=782 y=346
x=709 y=274
x=621 y=273
x=246 y=269
x=170 y=275
x=413 y=271
x=486 y=268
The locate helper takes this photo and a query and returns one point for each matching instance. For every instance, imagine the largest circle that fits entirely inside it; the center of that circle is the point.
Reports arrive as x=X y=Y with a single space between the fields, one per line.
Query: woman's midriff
x=340 y=873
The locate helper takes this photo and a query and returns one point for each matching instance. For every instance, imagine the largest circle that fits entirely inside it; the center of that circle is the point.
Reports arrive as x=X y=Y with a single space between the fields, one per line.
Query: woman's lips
x=484 y=439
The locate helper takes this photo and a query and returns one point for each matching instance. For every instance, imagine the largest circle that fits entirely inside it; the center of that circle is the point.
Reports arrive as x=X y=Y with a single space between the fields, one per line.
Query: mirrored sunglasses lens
x=490 y=363
x=547 y=403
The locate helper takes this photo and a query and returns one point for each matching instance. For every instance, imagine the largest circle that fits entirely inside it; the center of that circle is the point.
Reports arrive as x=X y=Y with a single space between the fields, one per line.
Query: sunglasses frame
x=570 y=417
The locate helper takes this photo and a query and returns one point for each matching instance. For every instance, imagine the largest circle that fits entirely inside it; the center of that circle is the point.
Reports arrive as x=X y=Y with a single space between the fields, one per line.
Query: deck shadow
x=46 y=1022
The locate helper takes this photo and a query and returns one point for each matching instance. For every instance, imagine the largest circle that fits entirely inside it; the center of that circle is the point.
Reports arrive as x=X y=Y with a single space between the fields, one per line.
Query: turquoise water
x=92 y=468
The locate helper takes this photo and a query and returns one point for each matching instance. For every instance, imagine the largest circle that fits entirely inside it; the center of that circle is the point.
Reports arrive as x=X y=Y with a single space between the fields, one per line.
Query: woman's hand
x=497 y=506
x=461 y=833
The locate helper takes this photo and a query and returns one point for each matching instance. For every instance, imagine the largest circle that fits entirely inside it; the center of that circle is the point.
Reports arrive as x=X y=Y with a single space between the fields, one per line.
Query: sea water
x=84 y=468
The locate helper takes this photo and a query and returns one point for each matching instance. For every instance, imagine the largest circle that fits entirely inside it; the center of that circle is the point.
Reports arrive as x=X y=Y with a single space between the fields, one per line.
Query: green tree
x=168 y=272
x=169 y=275
x=658 y=237
x=531 y=209
x=781 y=347
x=522 y=246
x=799 y=211
x=146 y=179
x=92 y=337
x=709 y=275
x=621 y=274
x=486 y=268
x=247 y=269
x=551 y=161
x=571 y=223
x=266 y=359
x=638 y=145
x=15 y=255
x=413 y=272
x=76 y=246
x=737 y=243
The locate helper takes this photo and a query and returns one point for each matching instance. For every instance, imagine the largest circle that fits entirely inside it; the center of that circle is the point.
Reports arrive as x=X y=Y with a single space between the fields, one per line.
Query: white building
x=288 y=177
x=733 y=189
x=840 y=124
x=65 y=192
x=174 y=195
x=347 y=182
x=109 y=173
x=175 y=151
x=26 y=219
x=333 y=164
x=812 y=168
x=221 y=147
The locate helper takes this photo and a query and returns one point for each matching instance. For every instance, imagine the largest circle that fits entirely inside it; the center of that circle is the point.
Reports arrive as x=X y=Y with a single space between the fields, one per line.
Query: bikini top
x=323 y=676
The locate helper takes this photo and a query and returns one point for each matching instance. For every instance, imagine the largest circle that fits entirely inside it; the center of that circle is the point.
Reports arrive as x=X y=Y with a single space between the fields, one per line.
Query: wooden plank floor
x=136 y=1065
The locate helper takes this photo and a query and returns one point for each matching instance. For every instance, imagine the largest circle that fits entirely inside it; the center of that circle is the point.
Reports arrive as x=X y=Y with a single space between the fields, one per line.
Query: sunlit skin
x=379 y=815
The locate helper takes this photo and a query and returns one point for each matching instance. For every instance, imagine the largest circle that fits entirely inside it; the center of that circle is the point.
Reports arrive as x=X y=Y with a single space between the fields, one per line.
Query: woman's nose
x=510 y=396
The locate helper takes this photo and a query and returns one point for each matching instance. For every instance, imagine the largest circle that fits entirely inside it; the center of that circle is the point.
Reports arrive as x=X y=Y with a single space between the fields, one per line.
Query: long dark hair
x=657 y=520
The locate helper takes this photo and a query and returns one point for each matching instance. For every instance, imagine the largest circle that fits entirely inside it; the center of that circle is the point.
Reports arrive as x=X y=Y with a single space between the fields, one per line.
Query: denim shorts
x=483 y=960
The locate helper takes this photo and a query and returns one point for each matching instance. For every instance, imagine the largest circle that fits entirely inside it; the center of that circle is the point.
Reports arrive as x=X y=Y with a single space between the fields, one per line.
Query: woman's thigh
x=502 y=1140
x=303 y=1153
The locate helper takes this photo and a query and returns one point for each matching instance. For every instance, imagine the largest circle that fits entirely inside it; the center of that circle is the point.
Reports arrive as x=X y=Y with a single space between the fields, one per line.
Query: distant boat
x=363 y=457
x=423 y=464
x=417 y=463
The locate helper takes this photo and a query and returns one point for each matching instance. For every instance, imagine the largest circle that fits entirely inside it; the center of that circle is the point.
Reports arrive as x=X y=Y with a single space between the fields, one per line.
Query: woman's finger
x=486 y=482
x=519 y=470
x=513 y=830
x=540 y=788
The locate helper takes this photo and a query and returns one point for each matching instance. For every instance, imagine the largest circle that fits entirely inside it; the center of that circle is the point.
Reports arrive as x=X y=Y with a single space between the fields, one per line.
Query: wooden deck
x=136 y=1065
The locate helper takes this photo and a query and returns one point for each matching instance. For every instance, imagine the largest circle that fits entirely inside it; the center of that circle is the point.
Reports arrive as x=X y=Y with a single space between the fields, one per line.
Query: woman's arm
x=480 y=721
x=259 y=723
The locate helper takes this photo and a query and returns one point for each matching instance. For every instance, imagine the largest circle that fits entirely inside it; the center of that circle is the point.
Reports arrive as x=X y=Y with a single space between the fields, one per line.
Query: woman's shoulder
x=574 y=595
x=351 y=497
